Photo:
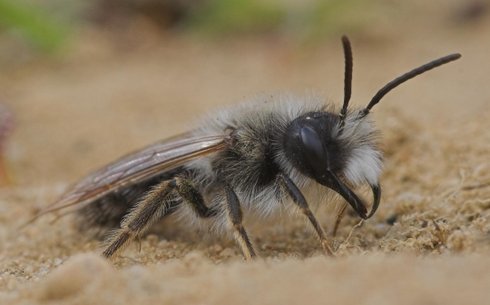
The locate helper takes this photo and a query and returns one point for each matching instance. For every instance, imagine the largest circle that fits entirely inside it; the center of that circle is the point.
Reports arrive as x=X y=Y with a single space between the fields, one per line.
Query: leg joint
x=193 y=196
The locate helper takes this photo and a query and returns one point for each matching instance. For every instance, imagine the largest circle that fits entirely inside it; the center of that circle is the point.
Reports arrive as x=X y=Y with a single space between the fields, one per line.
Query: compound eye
x=314 y=150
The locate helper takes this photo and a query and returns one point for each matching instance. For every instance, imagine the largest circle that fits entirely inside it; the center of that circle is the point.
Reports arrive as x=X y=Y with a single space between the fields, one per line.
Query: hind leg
x=193 y=197
x=107 y=212
x=103 y=214
x=157 y=203
x=152 y=208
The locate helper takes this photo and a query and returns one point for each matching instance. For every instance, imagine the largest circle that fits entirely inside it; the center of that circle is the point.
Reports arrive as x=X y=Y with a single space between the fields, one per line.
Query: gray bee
x=253 y=159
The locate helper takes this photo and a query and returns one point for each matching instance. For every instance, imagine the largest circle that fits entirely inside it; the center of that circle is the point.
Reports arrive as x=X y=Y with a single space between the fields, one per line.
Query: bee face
x=312 y=146
x=322 y=147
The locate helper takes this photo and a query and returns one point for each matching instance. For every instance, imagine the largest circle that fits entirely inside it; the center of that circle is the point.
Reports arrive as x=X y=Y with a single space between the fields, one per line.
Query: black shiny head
x=312 y=148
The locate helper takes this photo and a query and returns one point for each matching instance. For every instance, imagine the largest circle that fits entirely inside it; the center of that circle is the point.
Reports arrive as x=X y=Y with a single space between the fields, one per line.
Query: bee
x=256 y=158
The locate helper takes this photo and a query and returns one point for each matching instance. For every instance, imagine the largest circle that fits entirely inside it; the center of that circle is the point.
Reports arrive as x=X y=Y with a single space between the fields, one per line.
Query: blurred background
x=83 y=82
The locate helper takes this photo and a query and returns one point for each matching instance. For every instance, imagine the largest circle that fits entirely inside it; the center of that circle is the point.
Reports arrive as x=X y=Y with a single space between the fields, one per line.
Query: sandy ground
x=429 y=243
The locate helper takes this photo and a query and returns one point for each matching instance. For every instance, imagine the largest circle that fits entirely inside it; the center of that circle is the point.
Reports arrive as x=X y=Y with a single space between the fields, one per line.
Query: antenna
x=347 y=76
x=409 y=75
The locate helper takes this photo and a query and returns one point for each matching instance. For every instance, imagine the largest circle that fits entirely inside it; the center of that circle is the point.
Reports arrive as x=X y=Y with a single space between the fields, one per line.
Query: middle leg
x=234 y=212
x=235 y=216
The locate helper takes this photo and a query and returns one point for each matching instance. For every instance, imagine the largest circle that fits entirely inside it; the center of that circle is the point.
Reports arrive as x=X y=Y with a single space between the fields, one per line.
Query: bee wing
x=137 y=167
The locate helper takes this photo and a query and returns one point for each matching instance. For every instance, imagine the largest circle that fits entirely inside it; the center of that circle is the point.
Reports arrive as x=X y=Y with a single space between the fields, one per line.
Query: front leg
x=298 y=198
x=235 y=217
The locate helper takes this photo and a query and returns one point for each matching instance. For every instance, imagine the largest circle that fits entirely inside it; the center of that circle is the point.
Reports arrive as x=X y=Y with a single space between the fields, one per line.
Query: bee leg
x=192 y=196
x=235 y=216
x=340 y=216
x=151 y=208
x=300 y=201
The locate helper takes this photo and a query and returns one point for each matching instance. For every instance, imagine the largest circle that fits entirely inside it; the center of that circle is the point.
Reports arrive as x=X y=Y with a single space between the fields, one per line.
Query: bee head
x=339 y=150
x=316 y=148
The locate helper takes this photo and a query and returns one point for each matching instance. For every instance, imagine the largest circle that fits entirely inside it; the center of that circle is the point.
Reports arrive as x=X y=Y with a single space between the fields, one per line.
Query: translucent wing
x=137 y=167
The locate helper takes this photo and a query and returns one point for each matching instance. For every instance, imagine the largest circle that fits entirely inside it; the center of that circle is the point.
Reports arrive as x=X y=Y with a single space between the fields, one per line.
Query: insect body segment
x=246 y=162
